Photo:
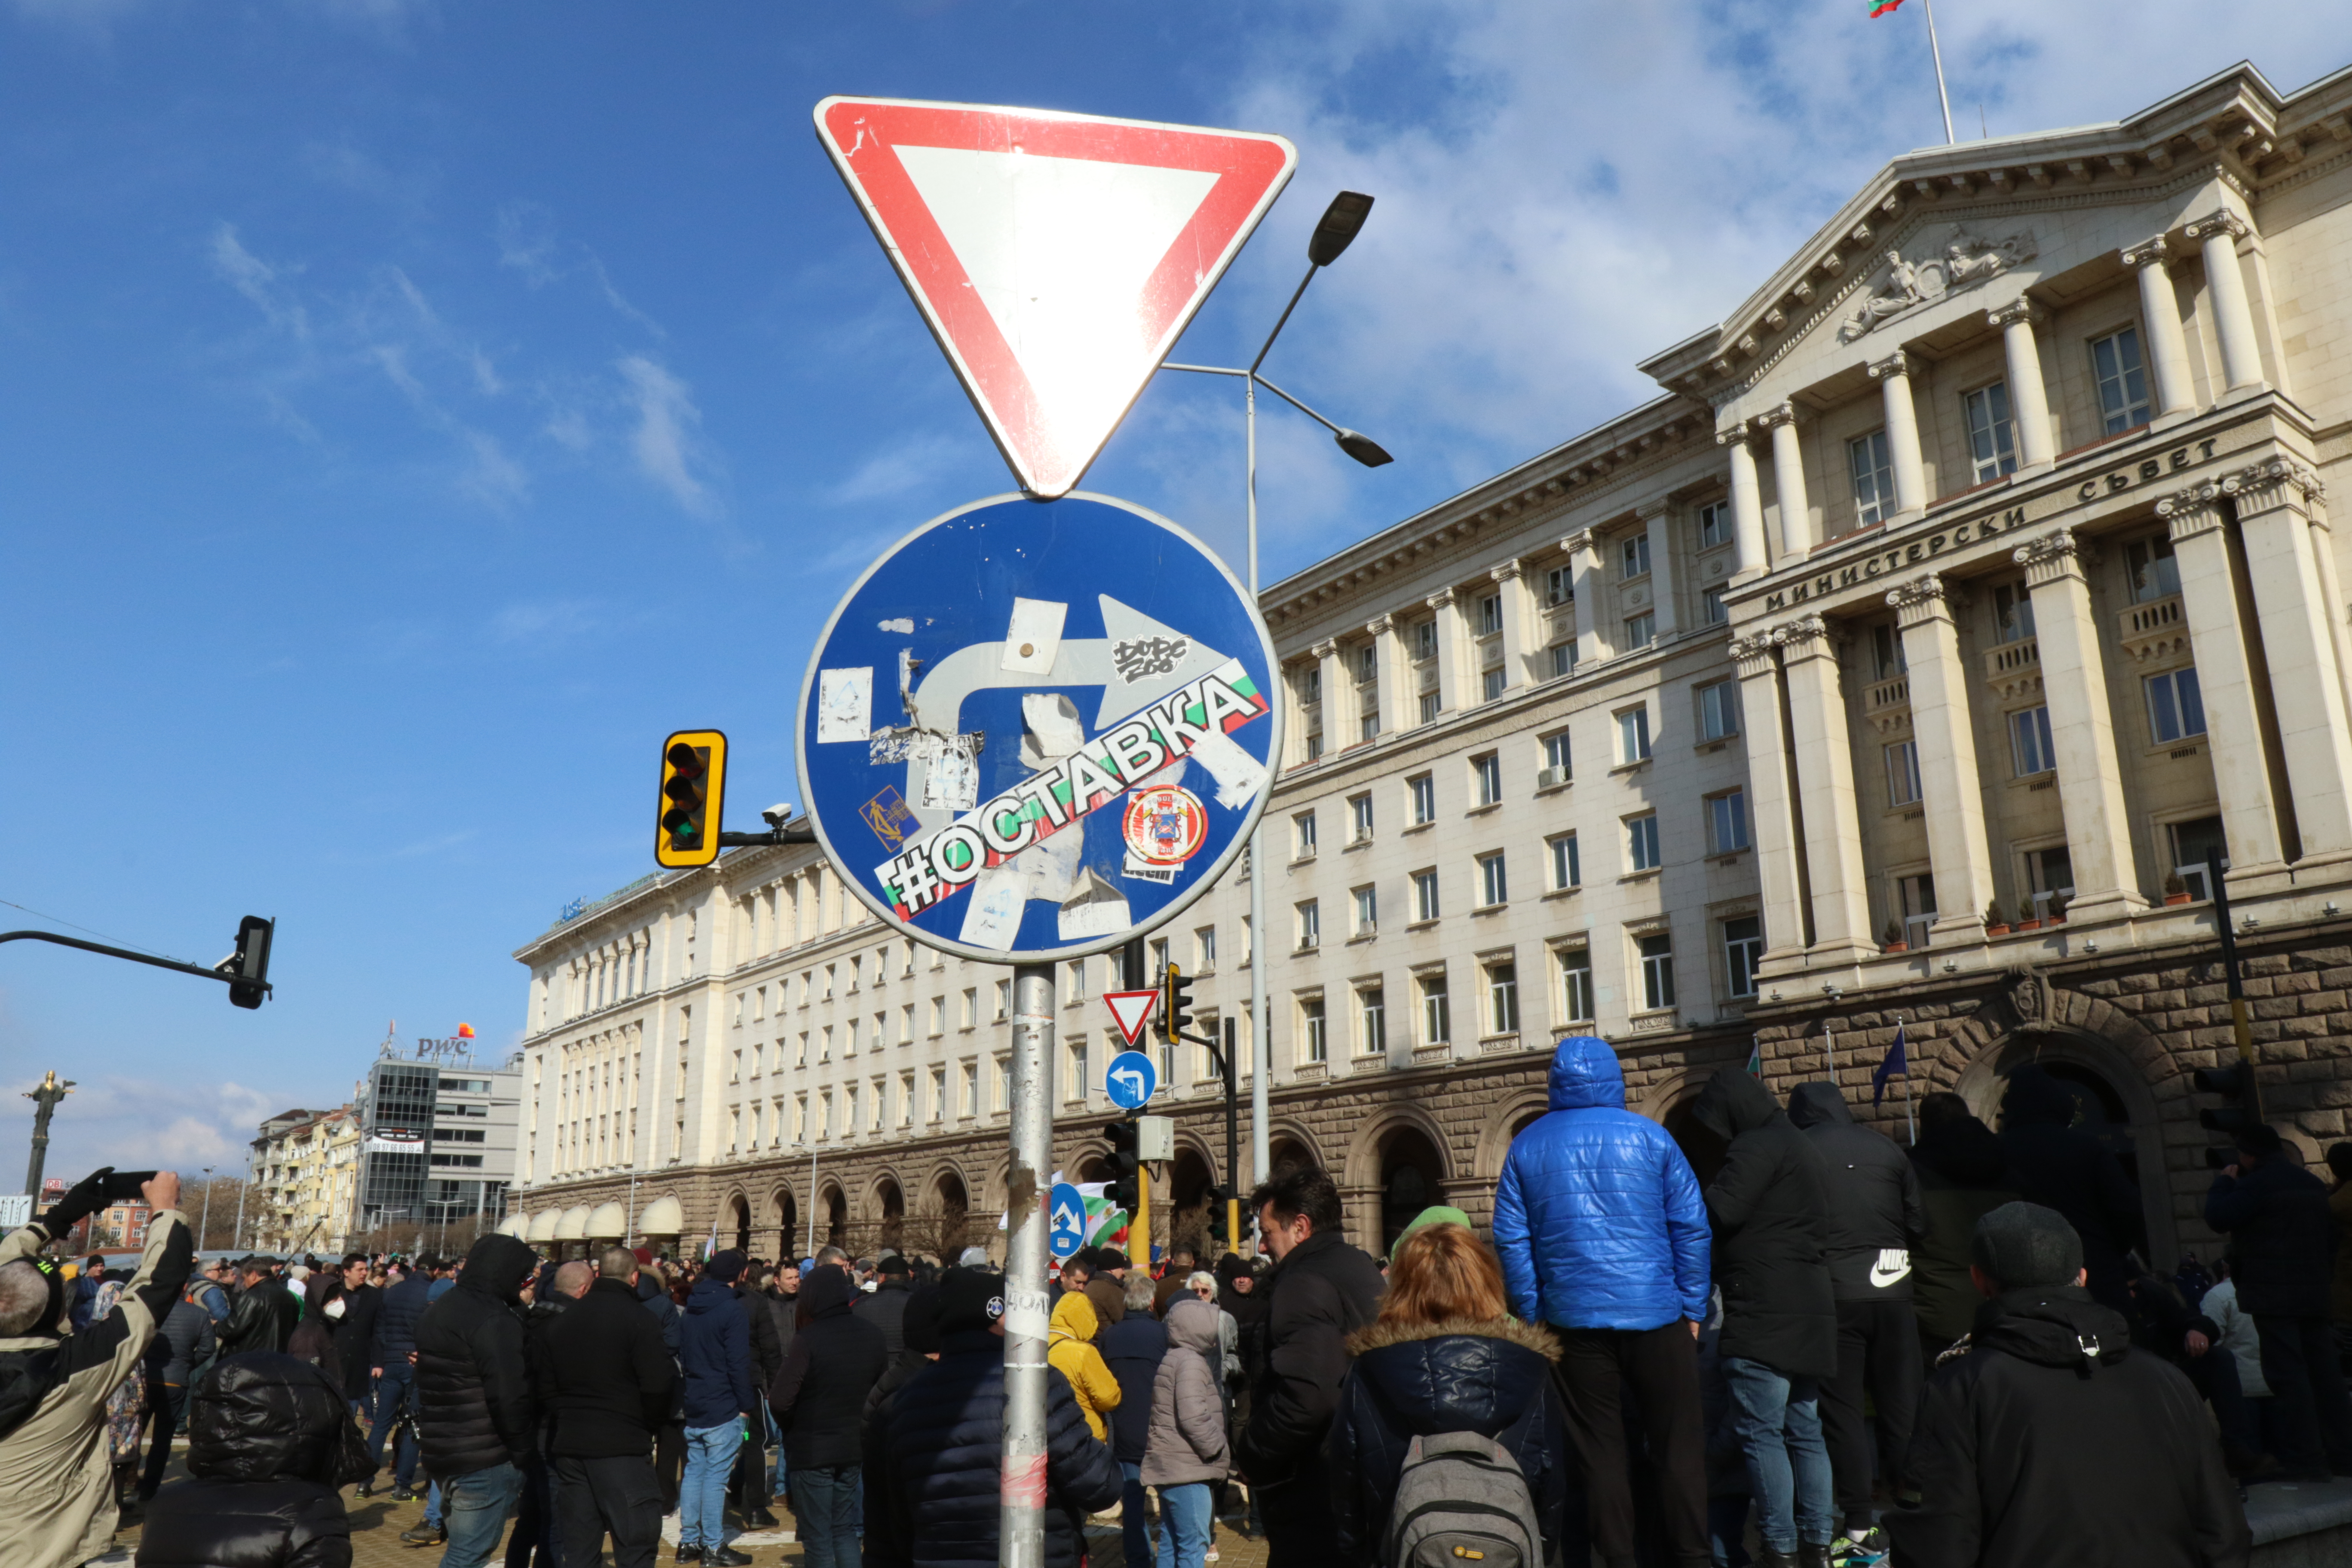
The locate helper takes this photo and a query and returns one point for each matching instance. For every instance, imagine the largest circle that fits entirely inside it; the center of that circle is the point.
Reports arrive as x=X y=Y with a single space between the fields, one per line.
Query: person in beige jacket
x=1185 y=1455
x=57 y=1477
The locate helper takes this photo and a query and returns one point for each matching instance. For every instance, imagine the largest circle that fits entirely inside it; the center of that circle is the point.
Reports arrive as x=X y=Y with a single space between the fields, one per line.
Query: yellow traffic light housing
x=693 y=785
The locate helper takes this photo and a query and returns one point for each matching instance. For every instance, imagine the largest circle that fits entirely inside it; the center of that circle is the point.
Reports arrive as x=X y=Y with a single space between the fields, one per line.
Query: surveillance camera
x=783 y=811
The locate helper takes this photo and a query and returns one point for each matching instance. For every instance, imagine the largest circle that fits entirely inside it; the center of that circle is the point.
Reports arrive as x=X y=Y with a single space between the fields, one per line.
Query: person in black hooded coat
x=819 y=1399
x=1770 y=1206
x=2060 y=1167
x=886 y=1544
x=1963 y=1175
x=270 y=1439
x=476 y=1418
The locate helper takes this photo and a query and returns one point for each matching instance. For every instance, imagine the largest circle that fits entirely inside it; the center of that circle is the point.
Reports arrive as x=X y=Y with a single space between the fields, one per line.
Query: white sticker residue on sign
x=845 y=703
x=951 y=781
x=1098 y=909
x=992 y=919
x=1035 y=637
x=1239 y=776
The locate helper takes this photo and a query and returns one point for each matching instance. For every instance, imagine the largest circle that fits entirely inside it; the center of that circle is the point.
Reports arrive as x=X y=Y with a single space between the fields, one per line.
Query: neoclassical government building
x=1901 y=662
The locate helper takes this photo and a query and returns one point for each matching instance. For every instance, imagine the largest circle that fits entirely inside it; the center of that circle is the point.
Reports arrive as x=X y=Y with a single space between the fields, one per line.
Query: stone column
x=2168 y=345
x=1747 y=507
x=1519 y=623
x=2081 y=726
x=1825 y=756
x=2275 y=499
x=1393 y=671
x=1451 y=696
x=1657 y=522
x=1893 y=375
x=2028 y=395
x=1584 y=550
x=1771 y=819
x=2233 y=317
x=1338 y=699
x=1949 y=785
x=1797 y=537
x=2209 y=600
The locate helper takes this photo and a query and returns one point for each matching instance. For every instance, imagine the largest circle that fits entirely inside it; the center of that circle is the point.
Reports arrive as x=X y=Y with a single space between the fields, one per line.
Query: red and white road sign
x=1056 y=256
x=1130 y=1010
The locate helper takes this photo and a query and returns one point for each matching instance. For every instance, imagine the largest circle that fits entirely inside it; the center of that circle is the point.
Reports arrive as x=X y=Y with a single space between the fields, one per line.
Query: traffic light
x=248 y=966
x=1217 y=1195
x=1175 y=1002
x=693 y=783
x=2239 y=1108
x=1124 y=1189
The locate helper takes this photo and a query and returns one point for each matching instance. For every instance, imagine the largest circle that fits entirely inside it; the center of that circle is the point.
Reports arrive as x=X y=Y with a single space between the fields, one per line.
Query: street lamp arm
x=1312 y=268
x=1296 y=403
x=1203 y=369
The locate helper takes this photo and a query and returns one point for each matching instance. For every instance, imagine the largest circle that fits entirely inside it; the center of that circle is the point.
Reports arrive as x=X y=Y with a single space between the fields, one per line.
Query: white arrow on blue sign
x=1035 y=730
x=1065 y=1219
x=1130 y=1080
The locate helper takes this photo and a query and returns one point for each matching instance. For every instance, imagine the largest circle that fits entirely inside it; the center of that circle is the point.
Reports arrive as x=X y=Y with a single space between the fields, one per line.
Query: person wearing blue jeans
x=395 y=1387
x=1134 y=1514
x=1184 y=1524
x=475 y=1511
x=1779 y=1421
x=826 y=1509
x=702 y=1499
x=714 y=1353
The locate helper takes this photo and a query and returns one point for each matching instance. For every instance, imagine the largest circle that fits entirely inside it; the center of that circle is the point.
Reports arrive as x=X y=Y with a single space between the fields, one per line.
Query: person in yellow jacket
x=1070 y=1346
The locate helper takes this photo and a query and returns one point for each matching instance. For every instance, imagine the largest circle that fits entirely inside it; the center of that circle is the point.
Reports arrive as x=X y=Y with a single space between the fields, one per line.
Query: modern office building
x=438 y=1136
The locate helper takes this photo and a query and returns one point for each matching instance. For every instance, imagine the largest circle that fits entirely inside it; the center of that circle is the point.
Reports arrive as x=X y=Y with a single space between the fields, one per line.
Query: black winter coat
x=356 y=1338
x=270 y=1438
x=1963 y=1176
x=2281 y=1233
x=1874 y=1214
x=1417 y=1380
x=885 y=1309
x=1318 y=1295
x=946 y=1452
x=665 y=1315
x=767 y=1345
x=1132 y=1347
x=886 y=1544
x=395 y=1320
x=2028 y=1451
x=1770 y=1206
x=2063 y=1169
x=837 y=1358
x=606 y=1378
x=263 y=1318
x=473 y=1385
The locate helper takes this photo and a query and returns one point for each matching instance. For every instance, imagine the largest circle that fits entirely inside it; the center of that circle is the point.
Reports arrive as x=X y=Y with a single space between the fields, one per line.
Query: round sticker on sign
x=1165 y=825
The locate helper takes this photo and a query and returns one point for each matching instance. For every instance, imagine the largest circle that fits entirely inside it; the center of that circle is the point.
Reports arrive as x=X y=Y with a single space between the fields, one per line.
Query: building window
x=2012 y=612
x=1726 y=821
x=1074 y=1073
x=970 y=1006
x=1712 y=608
x=1633 y=734
x=1156 y=956
x=1077 y=980
x=2049 y=873
x=2193 y=843
x=1302 y=836
x=1559 y=766
x=1915 y=905
x=1886 y=657
x=1204 y=950
x=1714 y=524
x=938 y=1016
x=1368 y=664
x=2028 y=732
x=1423 y=790
x=1559 y=586
x=1315 y=746
x=1436 y=1022
x=1004 y=1000
x=1992 y=438
x=1743 y=949
x=1310 y=925
x=1563 y=658
x=1367 y=726
x=1502 y=998
x=1641 y=631
x=1576 y=985
x=1903 y=773
x=1874 y=477
x=2122 y=380
x=1316 y=1046
x=1359 y=817
x=1429 y=708
x=1490 y=615
x=1368 y=911
x=970 y=1106
x=1310 y=685
x=1633 y=554
x=1565 y=871
x=2155 y=574
x=1493 y=883
x=1424 y=895
x=2174 y=711
x=1424 y=640
x=938 y=1109
x=1490 y=684
x=1657 y=971
x=1371 y=1022
x=1489 y=772
x=1719 y=710
x=1642 y=842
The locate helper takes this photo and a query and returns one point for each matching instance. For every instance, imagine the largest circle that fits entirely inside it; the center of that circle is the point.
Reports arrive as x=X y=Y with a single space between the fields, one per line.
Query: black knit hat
x=2023 y=1244
x=970 y=1299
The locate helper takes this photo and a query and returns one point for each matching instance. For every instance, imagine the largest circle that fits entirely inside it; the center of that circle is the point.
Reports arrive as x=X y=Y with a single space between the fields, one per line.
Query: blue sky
x=409 y=412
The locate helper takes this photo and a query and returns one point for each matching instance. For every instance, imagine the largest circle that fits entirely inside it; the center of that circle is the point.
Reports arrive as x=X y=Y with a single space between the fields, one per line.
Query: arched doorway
x=738 y=1219
x=1412 y=1177
x=954 y=1204
x=1699 y=1144
x=893 y=1203
x=836 y=1218
x=1189 y=1179
x=1286 y=1153
x=788 y=1228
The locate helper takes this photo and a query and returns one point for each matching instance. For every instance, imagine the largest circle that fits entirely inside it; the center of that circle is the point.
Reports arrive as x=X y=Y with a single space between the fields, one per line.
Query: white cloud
x=666 y=441
x=259 y=281
x=137 y=1124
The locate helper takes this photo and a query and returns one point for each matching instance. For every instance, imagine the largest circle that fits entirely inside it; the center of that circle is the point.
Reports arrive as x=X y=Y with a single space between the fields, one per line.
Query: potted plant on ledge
x=2176 y=891
x=1994 y=924
x=2058 y=902
x=1891 y=939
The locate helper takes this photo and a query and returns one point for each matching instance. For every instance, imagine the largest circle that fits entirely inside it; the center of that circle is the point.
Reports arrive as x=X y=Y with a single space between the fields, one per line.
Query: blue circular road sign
x=1130 y=1080
x=1065 y=1219
x=1034 y=729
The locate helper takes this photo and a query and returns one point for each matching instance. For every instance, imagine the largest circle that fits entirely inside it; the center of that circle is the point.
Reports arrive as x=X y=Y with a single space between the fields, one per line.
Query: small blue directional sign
x=1130 y=1080
x=1035 y=730
x=1065 y=1220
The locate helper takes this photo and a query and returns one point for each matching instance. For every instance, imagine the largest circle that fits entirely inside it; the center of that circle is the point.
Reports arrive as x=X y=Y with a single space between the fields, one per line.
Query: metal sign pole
x=1259 y=1133
x=1020 y=1538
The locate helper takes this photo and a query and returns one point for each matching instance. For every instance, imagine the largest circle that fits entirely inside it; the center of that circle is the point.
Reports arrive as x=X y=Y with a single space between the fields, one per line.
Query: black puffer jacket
x=1875 y=1217
x=1770 y=1205
x=837 y=1358
x=473 y=1382
x=2062 y=1168
x=2029 y=1450
x=1322 y=1292
x=1417 y=1380
x=263 y=1318
x=2282 y=1235
x=270 y=1438
x=946 y=1450
x=1963 y=1176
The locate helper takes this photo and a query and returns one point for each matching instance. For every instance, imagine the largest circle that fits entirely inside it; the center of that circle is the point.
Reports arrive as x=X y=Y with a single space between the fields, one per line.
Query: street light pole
x=203 y=1224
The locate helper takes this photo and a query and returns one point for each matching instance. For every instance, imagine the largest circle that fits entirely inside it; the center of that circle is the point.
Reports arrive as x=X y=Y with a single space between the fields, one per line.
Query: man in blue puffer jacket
x=1603 y=1235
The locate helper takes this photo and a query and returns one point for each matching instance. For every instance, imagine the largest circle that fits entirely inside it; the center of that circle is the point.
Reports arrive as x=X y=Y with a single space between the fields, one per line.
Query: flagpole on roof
x=1936 y=50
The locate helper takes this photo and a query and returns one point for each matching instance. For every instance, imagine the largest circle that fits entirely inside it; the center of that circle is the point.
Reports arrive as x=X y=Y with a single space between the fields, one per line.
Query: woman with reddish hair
x=1445 y=1356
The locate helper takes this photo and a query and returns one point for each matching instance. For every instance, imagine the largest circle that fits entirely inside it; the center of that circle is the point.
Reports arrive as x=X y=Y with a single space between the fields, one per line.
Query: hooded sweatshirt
x=1070 y=1347
x=715 y=1353
x=1875 y=1212
x=1772 y=1231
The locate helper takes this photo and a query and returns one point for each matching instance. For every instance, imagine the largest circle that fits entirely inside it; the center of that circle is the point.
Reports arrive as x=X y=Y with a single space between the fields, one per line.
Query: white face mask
x=335 y=1308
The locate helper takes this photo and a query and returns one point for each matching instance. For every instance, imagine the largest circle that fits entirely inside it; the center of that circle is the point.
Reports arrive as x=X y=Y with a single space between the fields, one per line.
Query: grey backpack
x=1462 y=1498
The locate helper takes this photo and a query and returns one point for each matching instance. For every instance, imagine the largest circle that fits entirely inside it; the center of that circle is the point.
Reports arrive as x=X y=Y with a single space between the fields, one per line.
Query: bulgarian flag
x=1107 y=1223
x=1880 y=7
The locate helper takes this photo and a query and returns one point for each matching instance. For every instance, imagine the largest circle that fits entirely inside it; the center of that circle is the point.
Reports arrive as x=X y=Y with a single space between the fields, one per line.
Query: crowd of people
x=1833 y=1349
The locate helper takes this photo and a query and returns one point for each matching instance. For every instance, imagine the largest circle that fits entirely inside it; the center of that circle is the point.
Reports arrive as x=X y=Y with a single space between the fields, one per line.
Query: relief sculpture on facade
x=1964 y=261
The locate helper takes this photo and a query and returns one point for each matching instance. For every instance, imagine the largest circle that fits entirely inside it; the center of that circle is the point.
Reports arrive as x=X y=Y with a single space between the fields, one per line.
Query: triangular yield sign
x=1130 y=1010
x=1057 y=257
